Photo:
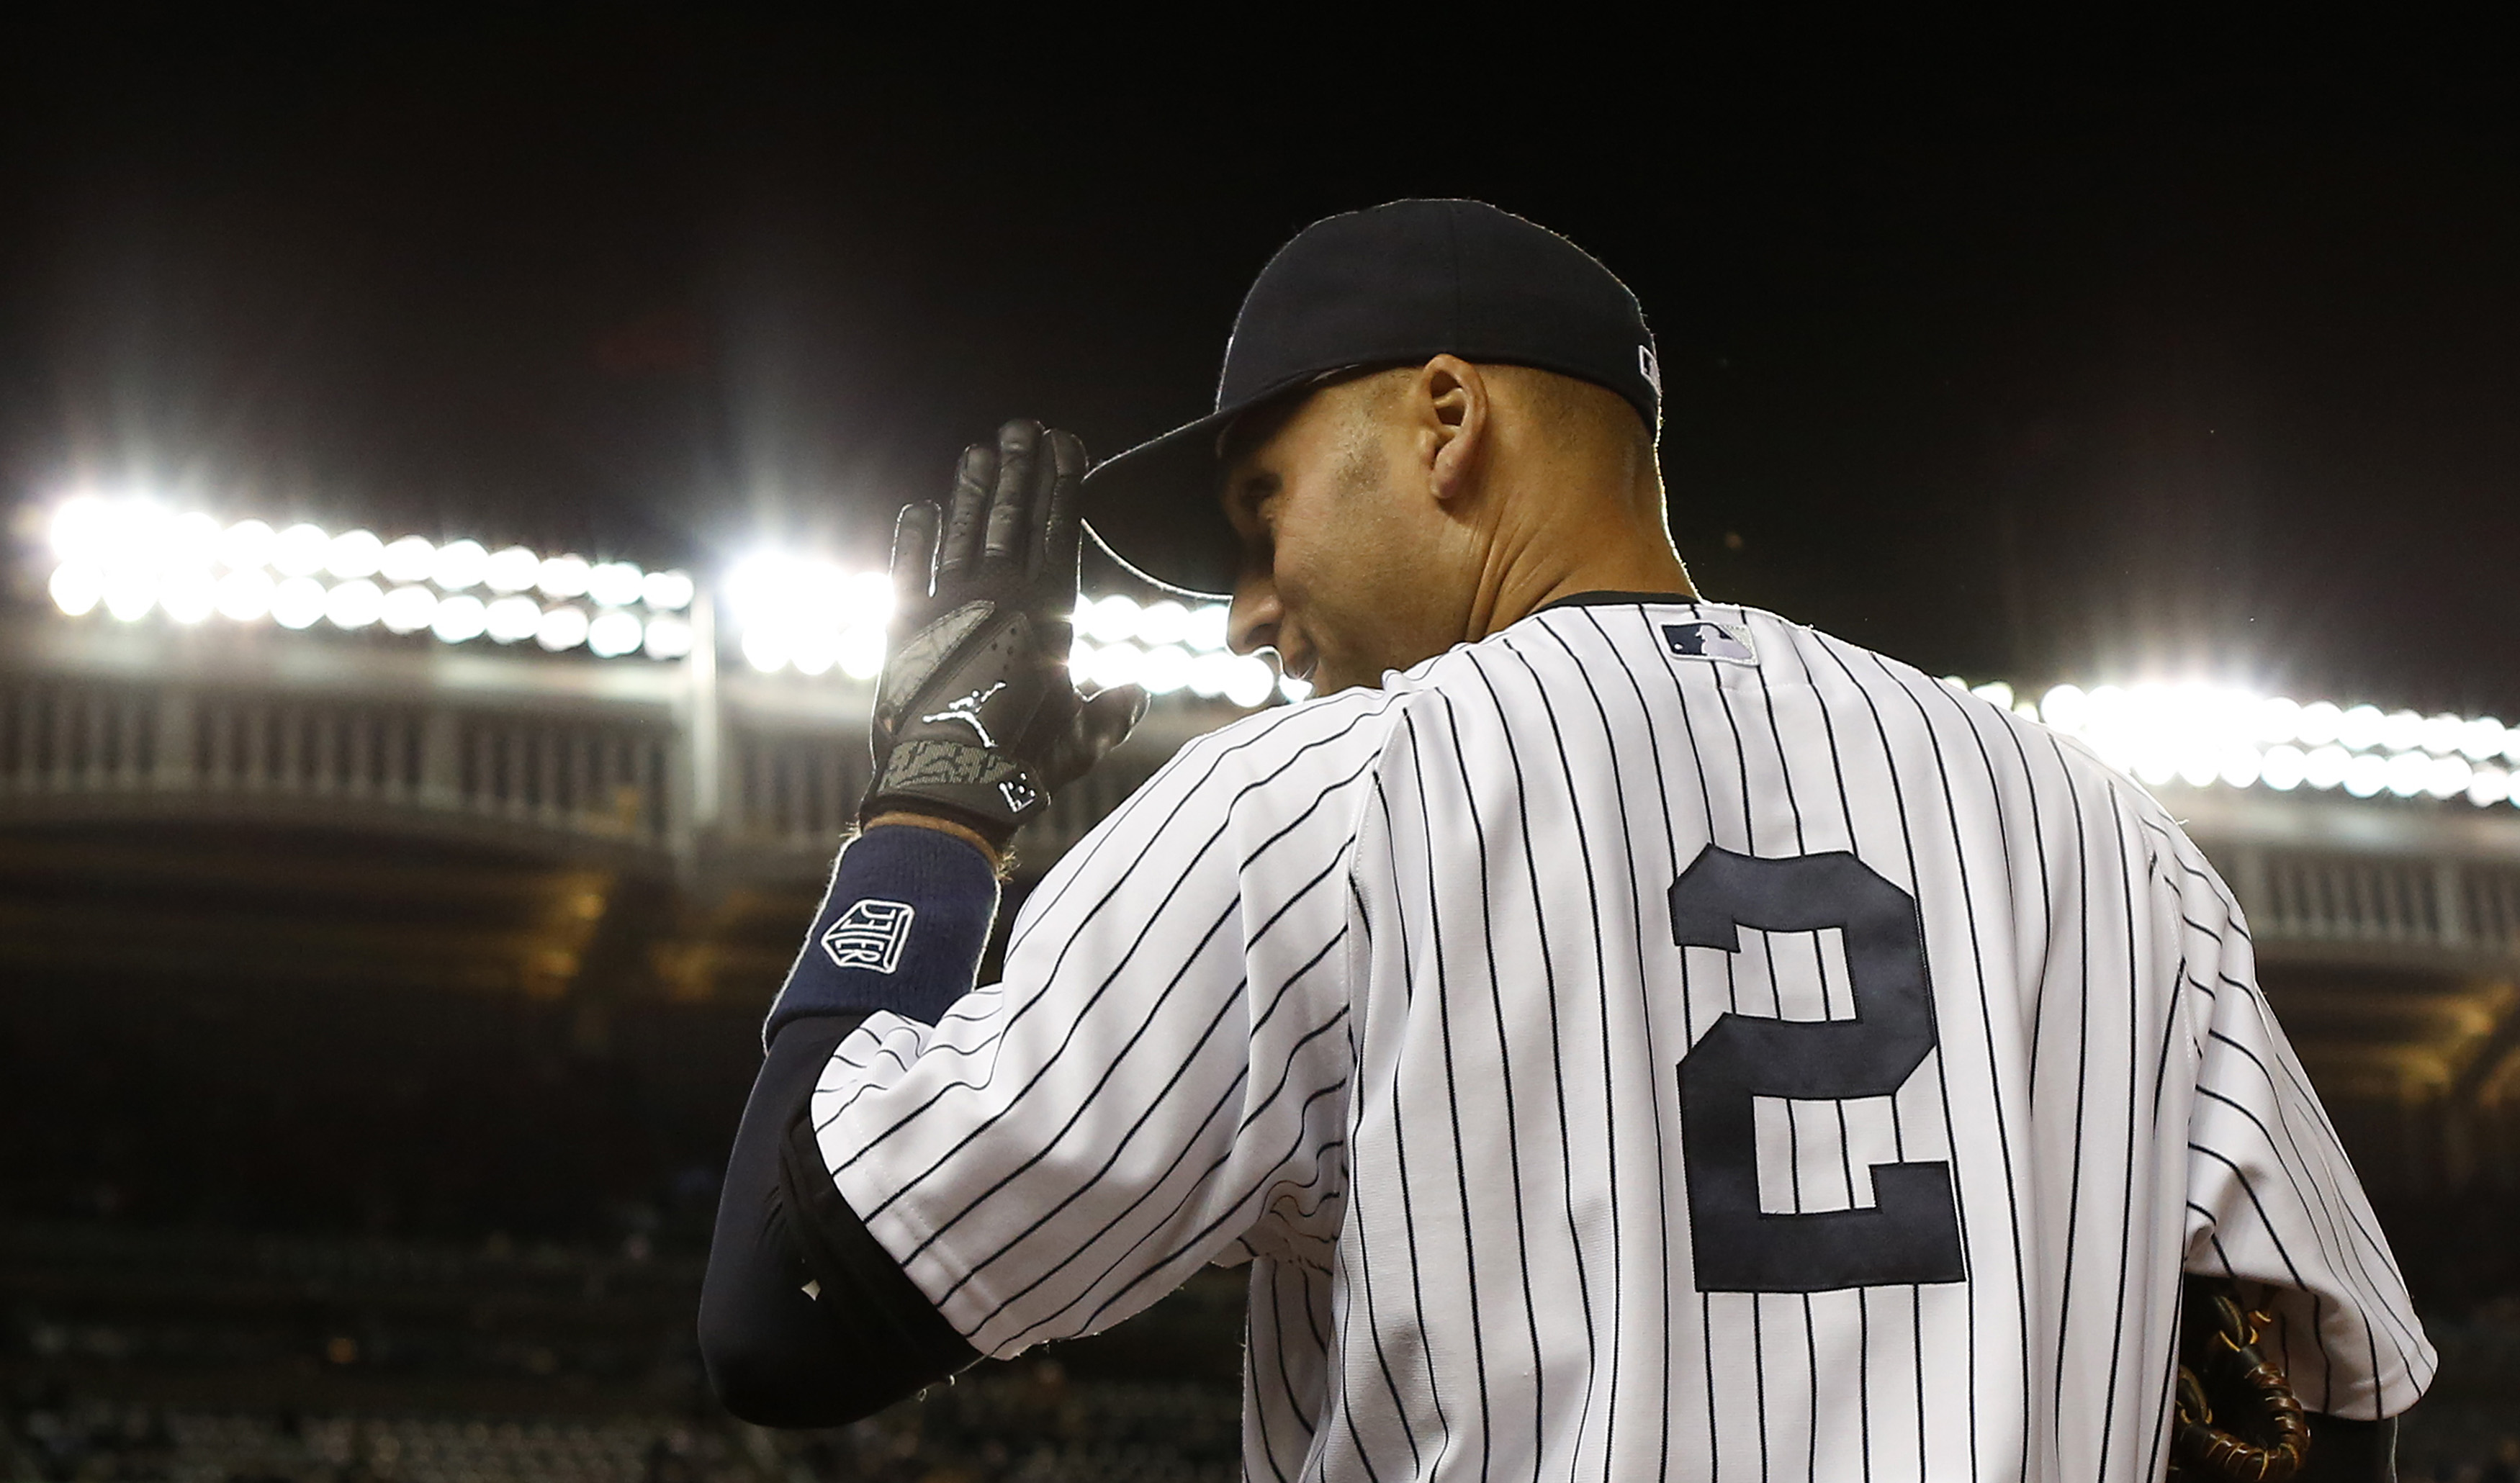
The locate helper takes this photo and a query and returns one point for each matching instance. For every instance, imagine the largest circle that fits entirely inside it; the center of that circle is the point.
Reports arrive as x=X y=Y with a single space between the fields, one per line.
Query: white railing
x=656 y=763
x=753 y=775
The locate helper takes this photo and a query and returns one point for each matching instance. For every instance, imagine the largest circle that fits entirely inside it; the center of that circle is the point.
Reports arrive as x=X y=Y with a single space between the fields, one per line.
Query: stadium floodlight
x=245 y=545
x=410 y=609
x=409 y=561
x=1165 y=669
x=861 y=652
x=667 y=591
x=513 y=618
x=135 y=557
x=2402 y=730
x=613 y=584
x=460 y=618
x=1206 y=633
x=513 y=569
x=1162 y=623
x=668 y=637
x=562 y=628
x=2481 y=738
x=76 y=588
x=460 y=566
x=355 y=604
x=613 y=633
x=245 y=595
x=563 y=576
x=355 y=554
x=300 y=551
x=297 y=603
x=2325 y=766
x=2207 y=736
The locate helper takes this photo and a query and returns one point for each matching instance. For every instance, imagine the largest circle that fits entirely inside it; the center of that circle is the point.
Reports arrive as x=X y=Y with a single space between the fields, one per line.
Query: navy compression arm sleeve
x=779 y=1355
x=901 y=929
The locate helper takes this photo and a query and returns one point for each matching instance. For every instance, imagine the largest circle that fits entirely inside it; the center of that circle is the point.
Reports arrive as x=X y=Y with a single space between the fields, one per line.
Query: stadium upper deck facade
x=642 y=777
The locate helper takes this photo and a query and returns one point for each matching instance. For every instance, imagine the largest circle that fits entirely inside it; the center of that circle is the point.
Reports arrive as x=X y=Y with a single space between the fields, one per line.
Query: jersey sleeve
x=2271 y=1199
x=1163 y=1073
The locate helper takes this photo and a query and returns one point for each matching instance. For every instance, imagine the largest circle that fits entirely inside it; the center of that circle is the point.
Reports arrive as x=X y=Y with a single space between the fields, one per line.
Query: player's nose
x=1252 y=623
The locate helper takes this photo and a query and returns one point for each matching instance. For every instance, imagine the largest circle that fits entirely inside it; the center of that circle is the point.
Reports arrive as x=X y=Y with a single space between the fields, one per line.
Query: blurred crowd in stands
x=267 y=1233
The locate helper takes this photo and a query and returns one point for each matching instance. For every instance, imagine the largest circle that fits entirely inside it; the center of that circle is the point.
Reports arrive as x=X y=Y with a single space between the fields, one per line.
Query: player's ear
x=1450 y=399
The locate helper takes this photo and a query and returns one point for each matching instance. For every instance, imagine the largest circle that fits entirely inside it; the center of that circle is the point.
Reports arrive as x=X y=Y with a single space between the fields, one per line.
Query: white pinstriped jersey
x=1658 y=1041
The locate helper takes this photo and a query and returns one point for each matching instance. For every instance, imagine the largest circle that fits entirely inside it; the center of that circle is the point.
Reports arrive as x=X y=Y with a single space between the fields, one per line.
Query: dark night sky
x=2205 y=372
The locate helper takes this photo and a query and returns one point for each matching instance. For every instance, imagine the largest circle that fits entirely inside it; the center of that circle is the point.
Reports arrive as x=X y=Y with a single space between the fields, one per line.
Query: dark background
x=2152 y=352
x=2073 y=356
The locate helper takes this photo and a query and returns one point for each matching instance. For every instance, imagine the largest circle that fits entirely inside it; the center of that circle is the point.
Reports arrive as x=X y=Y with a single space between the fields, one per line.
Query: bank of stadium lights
x=2210 y=736
x=815 y=617
x=133 y=558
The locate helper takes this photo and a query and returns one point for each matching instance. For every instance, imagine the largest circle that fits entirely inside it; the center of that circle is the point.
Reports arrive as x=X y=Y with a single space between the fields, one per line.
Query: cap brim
x=1152 y=512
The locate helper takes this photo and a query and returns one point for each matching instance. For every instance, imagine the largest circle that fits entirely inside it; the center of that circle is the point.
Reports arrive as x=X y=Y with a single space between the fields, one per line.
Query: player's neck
x=1565 y=557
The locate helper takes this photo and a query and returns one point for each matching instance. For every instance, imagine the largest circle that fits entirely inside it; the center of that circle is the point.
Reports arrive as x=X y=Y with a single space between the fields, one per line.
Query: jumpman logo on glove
x=968 y=711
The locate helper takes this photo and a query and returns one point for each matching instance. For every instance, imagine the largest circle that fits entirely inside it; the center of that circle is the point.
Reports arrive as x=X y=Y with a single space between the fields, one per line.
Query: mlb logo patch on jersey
x=1709 y=641
x=869 y=935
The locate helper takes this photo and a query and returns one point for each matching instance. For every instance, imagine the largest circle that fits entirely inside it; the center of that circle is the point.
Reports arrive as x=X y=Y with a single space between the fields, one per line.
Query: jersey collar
x=1615 y=599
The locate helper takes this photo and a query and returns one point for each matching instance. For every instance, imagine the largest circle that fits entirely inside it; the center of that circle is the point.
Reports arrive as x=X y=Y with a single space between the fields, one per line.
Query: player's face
x=1347 y=568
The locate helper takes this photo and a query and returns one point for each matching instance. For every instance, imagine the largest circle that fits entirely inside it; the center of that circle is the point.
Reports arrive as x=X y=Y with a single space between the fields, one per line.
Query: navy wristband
x=901 y=929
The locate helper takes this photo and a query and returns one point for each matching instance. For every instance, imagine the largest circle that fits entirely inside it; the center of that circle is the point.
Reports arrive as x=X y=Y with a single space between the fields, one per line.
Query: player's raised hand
x=975 y=719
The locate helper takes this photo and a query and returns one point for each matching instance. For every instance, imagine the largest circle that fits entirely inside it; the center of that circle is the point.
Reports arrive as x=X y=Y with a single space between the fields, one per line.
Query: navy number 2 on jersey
x=1911 y=1232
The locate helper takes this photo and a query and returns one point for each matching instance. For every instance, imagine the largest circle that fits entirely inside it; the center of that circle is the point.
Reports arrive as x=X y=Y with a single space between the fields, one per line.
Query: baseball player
x=1626 y=1035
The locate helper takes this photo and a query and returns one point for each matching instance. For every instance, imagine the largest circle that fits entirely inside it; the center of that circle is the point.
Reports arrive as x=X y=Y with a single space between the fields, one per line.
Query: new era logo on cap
x=869 y=935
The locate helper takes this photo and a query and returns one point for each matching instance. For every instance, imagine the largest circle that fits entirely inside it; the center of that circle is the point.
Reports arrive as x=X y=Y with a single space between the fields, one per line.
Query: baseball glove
x=975 y=719
x=2237 y=1421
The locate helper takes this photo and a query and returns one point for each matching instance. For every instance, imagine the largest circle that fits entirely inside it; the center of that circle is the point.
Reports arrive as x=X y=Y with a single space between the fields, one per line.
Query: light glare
x=669 y=637
x=562 y=628
x=408 y=559
x=245 y=595
x=355 y=554
x=409 y=609
x=612 y=634
x=512 y=570
x=667 y=591
x=613 y=584
x=513 y=619
x=460 y=619
x=299 y=551
x=188 y=595
x=76 y=588
x=563 y=576
x=129 y=594
x=862 y=653
x=247 y=544
x=354 y=604
x=297 y=603
x=459 y=564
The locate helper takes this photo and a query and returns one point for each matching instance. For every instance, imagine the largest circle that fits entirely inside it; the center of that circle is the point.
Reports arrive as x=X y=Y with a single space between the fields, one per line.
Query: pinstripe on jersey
x=1389 y=994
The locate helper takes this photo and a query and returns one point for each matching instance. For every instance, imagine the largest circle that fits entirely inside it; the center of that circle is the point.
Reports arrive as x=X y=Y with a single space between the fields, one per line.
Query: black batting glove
x=975 y=720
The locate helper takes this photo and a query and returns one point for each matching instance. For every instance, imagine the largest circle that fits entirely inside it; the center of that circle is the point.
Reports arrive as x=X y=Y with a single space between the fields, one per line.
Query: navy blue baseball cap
x=1393 y=285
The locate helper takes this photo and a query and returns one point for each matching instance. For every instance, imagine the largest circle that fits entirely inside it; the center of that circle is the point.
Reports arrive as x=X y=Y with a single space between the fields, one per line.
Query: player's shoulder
x=1745 y=647
x=1288 y=747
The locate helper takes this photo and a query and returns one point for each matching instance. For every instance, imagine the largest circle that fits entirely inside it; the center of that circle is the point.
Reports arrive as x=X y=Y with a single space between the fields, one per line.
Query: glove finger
x=1010 y=508
x=1053 y=568
x=914 y=555
x=1098 y=724
x=975 y=478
